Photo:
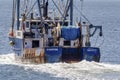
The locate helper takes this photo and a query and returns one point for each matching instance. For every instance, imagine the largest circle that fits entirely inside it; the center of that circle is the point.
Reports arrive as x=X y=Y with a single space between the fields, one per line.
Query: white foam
x=58 y=71
x=7 y=58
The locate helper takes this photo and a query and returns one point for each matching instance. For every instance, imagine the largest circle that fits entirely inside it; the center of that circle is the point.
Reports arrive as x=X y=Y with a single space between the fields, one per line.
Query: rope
x=102 y=41
x=96 y=40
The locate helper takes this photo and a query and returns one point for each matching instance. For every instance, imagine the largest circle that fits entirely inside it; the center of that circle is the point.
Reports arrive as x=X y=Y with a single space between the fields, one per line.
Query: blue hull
x=59 y=54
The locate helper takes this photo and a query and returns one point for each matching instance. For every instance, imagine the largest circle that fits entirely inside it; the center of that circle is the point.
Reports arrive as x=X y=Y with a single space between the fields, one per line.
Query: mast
x=71 y=12
x=44 y=8
x=18 y=12
x=13 y=14
x=40 y=13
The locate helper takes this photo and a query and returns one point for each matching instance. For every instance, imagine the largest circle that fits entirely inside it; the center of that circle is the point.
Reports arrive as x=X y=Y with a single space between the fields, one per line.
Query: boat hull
x=54 y=54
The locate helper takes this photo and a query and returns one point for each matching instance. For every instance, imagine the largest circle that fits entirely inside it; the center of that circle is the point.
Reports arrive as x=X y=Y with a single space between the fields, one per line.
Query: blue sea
x=5 y=24
x=99 y=12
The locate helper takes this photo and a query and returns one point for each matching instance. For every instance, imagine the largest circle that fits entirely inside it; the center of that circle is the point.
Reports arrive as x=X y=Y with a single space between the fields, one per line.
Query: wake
x=58 y=71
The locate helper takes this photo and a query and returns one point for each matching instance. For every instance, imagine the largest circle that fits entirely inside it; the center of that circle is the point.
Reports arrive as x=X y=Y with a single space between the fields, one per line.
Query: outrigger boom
x=41 y=36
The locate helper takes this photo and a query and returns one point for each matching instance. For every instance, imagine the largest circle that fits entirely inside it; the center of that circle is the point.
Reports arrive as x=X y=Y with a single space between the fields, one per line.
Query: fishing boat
x=40 y=34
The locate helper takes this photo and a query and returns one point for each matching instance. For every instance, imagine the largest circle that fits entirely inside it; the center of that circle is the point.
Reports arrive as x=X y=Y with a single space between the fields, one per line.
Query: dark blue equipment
x=70 y=33
x=91 y=54
x=53 y=54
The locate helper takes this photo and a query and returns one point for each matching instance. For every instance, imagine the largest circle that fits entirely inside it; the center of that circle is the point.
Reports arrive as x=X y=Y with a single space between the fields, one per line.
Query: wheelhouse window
x=27 y=25
x=35 y=44
x=67 y=43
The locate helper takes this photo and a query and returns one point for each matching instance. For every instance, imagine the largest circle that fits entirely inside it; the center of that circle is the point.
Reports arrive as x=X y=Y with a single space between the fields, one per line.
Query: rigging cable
x=63 y=6
x=66 y=7
x=66 y=10
x=40 y=12
x=22 y=5
x=57 y=8
x=31 y=8
x=82 y=14
x=81 y=9
x=89 y=22
x=26 y=6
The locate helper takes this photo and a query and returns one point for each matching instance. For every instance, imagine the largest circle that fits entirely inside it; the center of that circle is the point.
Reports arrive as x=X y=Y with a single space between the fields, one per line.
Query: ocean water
x=99 y=12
